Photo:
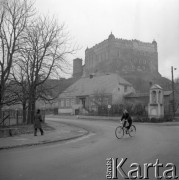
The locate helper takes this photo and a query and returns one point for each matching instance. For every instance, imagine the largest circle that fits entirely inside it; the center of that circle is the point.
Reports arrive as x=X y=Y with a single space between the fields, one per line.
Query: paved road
x=85 y=158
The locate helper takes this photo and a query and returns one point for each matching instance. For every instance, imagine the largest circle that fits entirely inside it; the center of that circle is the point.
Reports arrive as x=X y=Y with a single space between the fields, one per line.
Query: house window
x=92 y=101
x=72 y=102
x=67 y=102
x=125 y=88
x=61 y=103
x=106 y=100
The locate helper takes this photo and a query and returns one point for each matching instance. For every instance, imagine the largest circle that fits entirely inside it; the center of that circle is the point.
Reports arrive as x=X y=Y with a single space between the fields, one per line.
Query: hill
x=142 y=81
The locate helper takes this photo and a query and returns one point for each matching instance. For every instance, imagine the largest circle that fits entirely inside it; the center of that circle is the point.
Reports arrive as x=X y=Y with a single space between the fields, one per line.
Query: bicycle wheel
x=132 y=131
x=119 y=132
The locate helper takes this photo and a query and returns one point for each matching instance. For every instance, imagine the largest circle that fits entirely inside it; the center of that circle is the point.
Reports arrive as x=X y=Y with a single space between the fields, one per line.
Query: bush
x=168 y=118
x=141 y=119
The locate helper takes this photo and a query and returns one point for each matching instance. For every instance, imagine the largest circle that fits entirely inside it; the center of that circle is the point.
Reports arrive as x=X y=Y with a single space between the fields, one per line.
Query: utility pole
x=173 y=92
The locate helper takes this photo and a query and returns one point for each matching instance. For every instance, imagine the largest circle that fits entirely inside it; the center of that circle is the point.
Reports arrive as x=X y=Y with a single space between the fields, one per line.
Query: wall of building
x=65 y=105
x=92 y=101
x=119 y=92
x=118 y=55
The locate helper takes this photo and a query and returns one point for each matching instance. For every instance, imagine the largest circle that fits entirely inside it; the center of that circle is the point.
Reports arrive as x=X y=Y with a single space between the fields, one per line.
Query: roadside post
x=109 y=107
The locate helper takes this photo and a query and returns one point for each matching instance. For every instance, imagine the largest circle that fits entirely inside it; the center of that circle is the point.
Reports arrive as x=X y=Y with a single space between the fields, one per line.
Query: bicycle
x=121 y=130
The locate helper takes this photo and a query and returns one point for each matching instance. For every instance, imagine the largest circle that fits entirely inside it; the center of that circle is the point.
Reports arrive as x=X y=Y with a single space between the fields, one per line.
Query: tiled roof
x=101 y=83
x=137 y=95
x=166 y=93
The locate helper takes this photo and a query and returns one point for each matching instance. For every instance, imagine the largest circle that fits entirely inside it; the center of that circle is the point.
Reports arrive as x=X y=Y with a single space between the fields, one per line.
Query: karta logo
x=115 y=169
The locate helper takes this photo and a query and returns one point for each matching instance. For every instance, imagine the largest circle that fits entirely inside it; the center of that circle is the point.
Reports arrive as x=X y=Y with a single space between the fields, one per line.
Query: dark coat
x=37 y=121
x=127 y=117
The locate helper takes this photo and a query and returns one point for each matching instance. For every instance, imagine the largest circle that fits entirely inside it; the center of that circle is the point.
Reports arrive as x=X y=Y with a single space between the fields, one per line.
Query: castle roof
x=124 y=41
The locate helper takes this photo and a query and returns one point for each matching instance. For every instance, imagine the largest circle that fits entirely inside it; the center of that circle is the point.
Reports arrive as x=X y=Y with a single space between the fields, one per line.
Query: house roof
x=167 y=93
x=97 y=83
x=156 y=86
x=53 y=87
x=136 y=95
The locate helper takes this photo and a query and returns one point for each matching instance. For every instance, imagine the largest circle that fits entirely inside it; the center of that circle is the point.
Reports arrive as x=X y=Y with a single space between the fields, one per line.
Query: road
x=85 y=158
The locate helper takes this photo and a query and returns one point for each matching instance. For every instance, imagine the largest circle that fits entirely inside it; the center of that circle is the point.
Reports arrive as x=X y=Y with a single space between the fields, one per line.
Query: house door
x=83 y=102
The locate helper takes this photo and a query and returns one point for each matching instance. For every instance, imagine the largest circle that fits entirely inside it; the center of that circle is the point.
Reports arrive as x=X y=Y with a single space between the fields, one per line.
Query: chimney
x=77 y=67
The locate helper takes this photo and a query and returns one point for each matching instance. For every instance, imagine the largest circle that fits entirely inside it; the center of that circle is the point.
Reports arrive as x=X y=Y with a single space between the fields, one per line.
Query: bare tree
x=19 y=87
x=14 y=16
x=101 y=100
x=44 y=54
x=99 y=97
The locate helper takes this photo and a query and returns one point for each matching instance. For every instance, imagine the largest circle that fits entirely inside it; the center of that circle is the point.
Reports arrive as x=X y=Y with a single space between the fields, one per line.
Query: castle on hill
x=119 y=56
x=115 y=71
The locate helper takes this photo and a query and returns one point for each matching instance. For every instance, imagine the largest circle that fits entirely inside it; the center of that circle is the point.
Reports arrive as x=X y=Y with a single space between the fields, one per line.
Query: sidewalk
x=62 y=132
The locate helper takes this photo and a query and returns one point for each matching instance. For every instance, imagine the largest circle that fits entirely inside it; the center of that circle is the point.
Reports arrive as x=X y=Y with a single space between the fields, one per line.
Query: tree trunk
x=24 y=112
x=0 y=102
x=33 y=105
x=0 y=112
x=29 y=108
x=33 y=110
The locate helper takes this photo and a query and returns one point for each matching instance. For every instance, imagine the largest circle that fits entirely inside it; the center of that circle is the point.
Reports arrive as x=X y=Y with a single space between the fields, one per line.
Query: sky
x=89 y=22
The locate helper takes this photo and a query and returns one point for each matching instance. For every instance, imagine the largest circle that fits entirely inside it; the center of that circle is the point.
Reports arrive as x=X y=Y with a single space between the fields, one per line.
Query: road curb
x=45 y=142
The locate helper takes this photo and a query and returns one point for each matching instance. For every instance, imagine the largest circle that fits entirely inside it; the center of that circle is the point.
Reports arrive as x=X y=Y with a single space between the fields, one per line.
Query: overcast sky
x=91 y=21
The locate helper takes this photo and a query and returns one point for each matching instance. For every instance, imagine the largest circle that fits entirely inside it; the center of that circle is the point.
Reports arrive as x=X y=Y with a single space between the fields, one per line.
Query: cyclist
x=127 y=118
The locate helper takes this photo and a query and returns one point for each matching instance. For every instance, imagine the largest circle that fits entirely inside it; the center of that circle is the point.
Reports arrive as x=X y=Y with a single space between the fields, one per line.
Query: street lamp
x=173 y=91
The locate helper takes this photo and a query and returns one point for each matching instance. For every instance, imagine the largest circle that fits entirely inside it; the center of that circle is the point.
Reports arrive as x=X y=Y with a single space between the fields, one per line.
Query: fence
x=11 y=117
x=137 y=110
x=116 y=110
x=14 y=117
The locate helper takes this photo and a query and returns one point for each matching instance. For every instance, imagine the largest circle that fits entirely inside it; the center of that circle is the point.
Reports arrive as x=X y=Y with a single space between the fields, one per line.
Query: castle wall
x=123 y=56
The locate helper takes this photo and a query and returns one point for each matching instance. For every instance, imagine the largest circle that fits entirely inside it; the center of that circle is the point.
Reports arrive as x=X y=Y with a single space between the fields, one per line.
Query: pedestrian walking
x=37 y=123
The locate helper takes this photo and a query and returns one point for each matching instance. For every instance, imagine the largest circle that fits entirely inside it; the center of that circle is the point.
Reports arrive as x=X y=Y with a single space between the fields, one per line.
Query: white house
x=89 y=92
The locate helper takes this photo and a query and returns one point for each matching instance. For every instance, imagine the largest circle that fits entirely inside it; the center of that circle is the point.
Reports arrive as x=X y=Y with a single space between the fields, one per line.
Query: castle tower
x=111 y=37
x=77 y=67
